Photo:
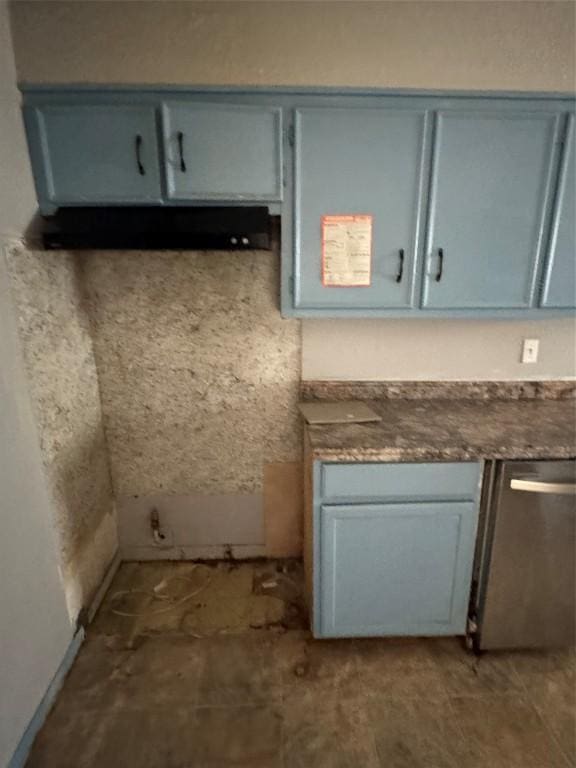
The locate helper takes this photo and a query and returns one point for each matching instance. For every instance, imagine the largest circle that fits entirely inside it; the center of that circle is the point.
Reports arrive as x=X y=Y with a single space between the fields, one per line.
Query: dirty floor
x=211 y=667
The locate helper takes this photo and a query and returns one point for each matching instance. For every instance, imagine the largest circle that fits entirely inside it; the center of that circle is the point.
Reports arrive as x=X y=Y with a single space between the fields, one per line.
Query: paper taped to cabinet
x=346 y=250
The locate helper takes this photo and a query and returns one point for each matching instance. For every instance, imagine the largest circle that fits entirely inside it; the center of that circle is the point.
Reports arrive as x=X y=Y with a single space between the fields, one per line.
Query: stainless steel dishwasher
x=524 y=593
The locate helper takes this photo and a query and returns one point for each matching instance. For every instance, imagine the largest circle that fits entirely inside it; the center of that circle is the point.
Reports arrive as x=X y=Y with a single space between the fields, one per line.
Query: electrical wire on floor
x=159 y=593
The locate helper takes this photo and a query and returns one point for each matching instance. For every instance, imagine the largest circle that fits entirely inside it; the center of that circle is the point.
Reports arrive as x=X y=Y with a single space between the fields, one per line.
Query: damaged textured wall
x=199 y=379
x=57 y=346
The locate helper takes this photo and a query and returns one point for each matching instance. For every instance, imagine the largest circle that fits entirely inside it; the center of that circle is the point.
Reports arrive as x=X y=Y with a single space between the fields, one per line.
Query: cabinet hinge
x=291 y=135
x=291 y=285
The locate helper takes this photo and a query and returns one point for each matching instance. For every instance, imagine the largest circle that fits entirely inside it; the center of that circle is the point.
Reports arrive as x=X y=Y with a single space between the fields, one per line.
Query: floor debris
x=147 y=691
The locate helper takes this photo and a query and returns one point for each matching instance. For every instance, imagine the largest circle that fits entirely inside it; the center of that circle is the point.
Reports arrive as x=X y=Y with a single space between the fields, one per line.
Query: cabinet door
x=560 y=276
x=490 y=186
x=222 y=151
x=94 y=154
x=396 y=569
x=359 y=161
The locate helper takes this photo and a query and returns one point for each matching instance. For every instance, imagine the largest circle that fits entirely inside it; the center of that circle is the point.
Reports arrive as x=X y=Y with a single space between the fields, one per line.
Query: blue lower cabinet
x=396 y=569
x=401 y=565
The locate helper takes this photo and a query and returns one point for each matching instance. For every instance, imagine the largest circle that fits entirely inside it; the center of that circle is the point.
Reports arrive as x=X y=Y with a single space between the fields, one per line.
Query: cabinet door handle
x=141 y=169
x=440 y=265
x=181 y=150
x=400 y=272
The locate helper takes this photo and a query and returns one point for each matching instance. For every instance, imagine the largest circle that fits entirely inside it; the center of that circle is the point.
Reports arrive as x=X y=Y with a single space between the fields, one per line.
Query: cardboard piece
x=345 y=412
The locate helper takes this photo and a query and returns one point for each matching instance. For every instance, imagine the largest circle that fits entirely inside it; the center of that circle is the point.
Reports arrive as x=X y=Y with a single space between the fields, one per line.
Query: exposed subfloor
x=228 y=676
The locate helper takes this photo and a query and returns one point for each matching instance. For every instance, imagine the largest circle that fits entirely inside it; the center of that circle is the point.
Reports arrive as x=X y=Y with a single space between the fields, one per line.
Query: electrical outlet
x=530 y=350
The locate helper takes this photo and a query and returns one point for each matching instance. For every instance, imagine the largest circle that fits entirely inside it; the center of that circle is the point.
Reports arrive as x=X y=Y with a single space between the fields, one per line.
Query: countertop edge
x=442 y=454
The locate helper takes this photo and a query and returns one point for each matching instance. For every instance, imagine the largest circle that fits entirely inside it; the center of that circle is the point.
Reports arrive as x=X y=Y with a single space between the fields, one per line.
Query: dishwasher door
x=528 y=588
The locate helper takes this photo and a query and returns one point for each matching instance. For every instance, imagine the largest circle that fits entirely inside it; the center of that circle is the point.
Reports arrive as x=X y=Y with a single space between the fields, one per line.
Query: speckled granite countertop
x=452 y=429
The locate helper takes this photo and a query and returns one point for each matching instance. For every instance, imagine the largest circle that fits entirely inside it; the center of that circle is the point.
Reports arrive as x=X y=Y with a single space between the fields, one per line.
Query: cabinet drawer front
x=400 y=481
x=395 y=569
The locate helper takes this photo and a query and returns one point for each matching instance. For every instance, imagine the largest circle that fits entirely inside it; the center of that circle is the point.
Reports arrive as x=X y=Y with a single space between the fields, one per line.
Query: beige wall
x=35 y=628
x=17 y=197
x=435 y=350
x=425 y=44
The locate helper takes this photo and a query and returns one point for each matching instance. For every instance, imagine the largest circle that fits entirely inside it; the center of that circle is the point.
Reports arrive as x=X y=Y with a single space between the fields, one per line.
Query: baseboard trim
x=20 y=756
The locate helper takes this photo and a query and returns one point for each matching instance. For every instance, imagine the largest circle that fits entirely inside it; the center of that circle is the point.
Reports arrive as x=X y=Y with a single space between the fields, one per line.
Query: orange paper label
x=346 y=250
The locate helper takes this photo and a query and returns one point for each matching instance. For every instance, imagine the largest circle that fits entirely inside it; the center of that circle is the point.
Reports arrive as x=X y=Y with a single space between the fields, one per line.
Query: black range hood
x=178 y=228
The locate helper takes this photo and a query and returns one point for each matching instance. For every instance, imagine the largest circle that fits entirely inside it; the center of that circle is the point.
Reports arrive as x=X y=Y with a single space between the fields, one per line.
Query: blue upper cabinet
x=560 y=277
x=216 y=151
x=491 y=182
x=392 y=205
x=92 y=154
x=358 y=162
